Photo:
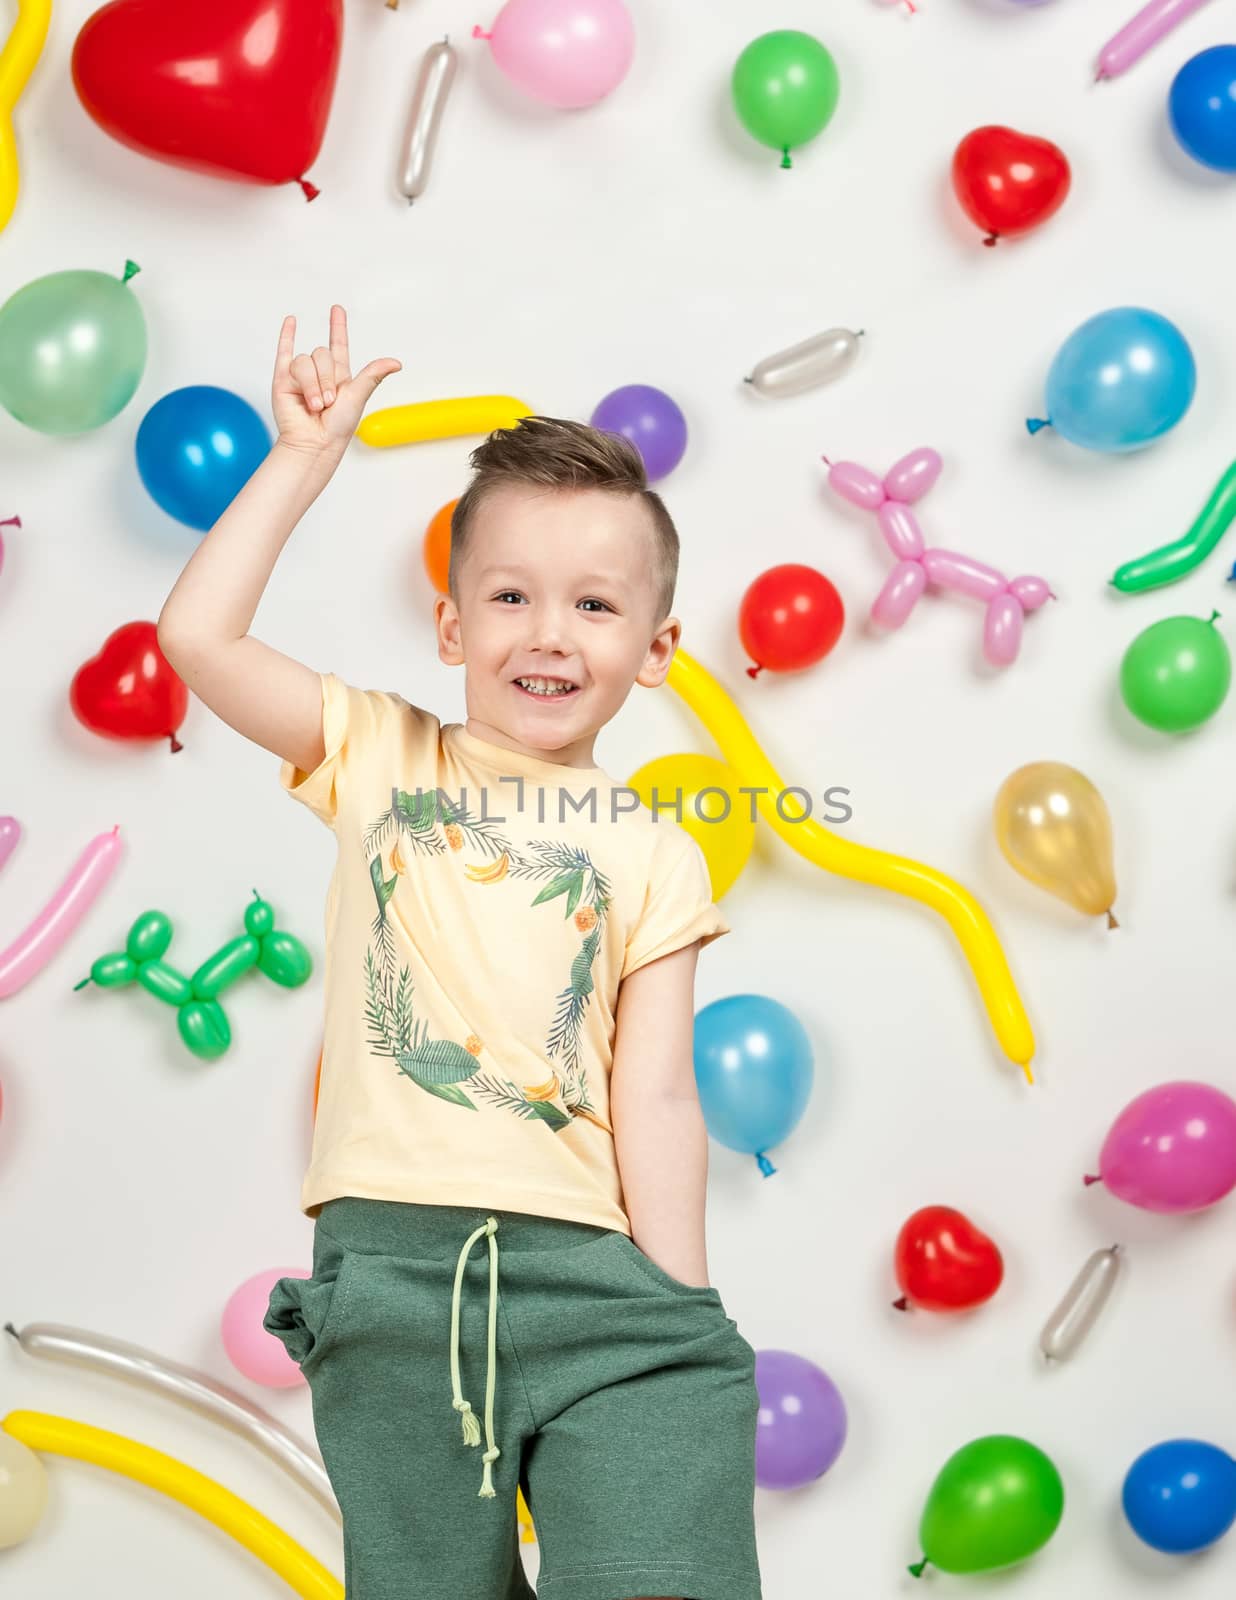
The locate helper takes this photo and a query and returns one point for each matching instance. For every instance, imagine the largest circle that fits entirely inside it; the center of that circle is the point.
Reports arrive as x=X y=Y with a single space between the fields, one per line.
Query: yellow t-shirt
x=484 y=907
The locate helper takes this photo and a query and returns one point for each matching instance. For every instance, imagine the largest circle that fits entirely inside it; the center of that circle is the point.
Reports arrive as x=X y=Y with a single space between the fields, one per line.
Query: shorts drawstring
x=471 y=1428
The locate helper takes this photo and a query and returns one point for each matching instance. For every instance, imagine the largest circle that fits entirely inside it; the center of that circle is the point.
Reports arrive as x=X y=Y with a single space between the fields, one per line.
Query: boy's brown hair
x=554 y=454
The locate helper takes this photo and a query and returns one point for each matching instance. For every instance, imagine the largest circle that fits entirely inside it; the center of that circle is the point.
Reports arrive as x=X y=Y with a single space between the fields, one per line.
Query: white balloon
x=23 y=1491
x=433 y=84
x=1085 y=1298
x=805 y=366
x=214 y=1400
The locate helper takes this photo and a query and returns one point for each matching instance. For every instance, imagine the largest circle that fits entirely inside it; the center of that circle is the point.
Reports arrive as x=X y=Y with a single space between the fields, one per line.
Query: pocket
x=659 y=1276
x=306 y=1314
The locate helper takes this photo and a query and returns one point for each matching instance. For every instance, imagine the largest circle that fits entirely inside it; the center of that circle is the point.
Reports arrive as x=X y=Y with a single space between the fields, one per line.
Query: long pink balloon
x=10 y=833
x=1144 y=30
x=32 y=950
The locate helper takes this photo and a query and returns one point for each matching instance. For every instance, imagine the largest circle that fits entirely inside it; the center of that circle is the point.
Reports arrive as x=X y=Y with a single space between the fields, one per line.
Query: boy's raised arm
x=204 y=624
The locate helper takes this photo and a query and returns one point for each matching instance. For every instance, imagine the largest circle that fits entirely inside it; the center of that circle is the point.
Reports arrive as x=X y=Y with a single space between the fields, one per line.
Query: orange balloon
x=438 y=546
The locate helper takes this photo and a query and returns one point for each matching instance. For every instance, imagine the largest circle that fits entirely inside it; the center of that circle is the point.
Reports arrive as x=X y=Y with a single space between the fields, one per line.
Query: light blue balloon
x=196 y=450
x=1119 y=382
x=754 y=1070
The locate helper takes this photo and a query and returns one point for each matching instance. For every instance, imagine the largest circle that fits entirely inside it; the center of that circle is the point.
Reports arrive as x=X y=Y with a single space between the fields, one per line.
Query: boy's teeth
x=545 y=685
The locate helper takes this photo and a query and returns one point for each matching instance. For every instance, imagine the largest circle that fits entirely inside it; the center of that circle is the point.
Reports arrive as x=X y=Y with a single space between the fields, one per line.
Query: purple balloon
x=650 y=420
x=802 y=1420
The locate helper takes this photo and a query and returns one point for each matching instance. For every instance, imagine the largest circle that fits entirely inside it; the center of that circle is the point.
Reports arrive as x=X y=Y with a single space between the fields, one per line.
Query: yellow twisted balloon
x=825 y=849
x=79 y=1441
x=17 y=62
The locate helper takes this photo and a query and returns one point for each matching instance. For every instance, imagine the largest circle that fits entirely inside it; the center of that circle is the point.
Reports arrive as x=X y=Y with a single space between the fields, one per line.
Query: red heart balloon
x=1009 y=182
x=129 y=690
x=944 y=1263
x=236 y=88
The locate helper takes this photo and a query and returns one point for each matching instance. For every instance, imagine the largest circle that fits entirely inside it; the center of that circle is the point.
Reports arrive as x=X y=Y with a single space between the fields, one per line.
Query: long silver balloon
x=1085 y=1298
x=214 y=1400
x=433 y=84
x=807 y=365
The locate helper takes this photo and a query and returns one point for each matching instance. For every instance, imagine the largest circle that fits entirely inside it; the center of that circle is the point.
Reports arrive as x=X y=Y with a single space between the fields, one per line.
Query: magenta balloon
x=1173 y=1149
x=802 y=1424
x=910 y=478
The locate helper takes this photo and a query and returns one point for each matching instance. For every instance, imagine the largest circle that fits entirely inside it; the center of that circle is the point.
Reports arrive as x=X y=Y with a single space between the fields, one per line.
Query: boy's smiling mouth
x=546 y=688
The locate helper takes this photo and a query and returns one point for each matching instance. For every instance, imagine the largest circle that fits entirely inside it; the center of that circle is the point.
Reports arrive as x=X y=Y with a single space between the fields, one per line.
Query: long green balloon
x=1173 y=561
x=996 y=1501
x=785 y=87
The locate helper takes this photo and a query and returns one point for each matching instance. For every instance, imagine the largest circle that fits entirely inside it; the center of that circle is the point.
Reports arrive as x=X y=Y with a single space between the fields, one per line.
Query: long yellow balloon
x=956 y=905
x=17 y=61
x=78 y=1440
x=441 y=419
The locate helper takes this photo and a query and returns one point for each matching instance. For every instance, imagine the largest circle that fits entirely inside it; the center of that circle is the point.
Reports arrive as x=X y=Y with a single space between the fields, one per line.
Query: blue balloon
x=1119 y=381
x=1180 y=1496
x=1201 y=107
x=196 y=450
x=754 y=1071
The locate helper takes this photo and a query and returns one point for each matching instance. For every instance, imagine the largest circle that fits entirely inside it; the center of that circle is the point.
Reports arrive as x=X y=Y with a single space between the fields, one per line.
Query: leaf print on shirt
x=438 y=1066
x=431 y=823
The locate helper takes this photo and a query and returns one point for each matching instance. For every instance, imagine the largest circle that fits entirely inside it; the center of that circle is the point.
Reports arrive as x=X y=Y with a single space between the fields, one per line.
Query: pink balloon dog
x=1172 y=1149
x=908 y=480
x=1144 y=30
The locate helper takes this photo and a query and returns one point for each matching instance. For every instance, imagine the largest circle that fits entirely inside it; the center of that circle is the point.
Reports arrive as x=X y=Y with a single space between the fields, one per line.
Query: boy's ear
x=660 y=654
x=450 y=635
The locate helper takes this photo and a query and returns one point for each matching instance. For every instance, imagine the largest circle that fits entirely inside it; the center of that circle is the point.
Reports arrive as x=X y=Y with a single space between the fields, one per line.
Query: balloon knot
x=765 y=1165
x=1033 y=424
x=479 y=33
x=785 y=157
x=131 y=270
x=1213 y=617
x=1100 y=76
x=748 y=380
x=754 y=672
x=177 y=747
x=919 y=1567
x=9 y=1328
x=392 y=5
x=901 y=1305
x=1231 y=577
x=80 y=985
x=1090 y=1178
x=826 y=461
x=11 y=522
x=1111 y=919
x=311 y=190
x=991 y=239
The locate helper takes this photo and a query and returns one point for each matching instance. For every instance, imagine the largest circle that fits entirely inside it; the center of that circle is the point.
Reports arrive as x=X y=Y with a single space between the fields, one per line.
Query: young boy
x=510 y=959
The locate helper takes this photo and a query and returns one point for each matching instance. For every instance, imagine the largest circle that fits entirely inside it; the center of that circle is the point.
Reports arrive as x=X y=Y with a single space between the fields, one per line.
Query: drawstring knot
x=471 y=1427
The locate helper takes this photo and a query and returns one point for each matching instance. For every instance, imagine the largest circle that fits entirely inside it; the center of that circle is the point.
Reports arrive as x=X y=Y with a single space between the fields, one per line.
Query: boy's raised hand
x=317 y=402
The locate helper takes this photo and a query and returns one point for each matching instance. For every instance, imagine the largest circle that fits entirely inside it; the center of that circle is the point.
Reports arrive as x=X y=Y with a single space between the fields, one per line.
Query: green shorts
x=453 y=1353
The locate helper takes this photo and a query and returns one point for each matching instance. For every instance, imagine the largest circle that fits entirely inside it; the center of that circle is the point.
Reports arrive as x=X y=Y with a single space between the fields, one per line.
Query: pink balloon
x=947 y=569
x=901 y=531
x=253 y=1351
x=910 y=478
x=1032 y=592
x=32 y=950
x=902 y=591
x=1002 y=630
x=569 y=53
x=1173 y=1149
x=856 y=484
x=10 y=833
x=1144 y=30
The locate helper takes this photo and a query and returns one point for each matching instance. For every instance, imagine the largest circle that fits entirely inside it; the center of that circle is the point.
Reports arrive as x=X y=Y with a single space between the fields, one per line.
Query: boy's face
x=556 y=617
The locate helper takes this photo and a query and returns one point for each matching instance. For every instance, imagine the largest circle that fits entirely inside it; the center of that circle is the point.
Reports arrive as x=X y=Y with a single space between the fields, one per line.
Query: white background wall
x=556 y=257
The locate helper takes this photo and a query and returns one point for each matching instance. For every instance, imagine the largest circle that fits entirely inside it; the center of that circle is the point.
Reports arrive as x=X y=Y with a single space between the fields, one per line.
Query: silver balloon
x=433 y=84
x=1077 y=1313
x=807 y=365
x=191 y=1388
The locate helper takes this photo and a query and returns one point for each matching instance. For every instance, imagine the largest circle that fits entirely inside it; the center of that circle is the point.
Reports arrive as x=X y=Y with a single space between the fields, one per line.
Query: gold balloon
x=1053 y=826
x=719 y=820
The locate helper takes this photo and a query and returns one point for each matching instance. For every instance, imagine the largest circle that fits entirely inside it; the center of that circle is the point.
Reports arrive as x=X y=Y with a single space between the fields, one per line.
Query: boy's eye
x=600 y=603
x=505 y=592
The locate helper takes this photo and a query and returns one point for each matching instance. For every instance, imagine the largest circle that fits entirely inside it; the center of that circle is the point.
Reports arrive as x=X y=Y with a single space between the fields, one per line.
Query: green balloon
x=995 y=1502
x=72 y=350
x=1176 y=673
x=785 y=89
